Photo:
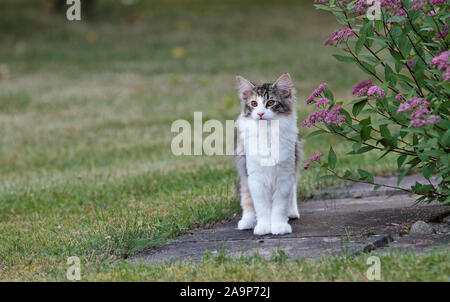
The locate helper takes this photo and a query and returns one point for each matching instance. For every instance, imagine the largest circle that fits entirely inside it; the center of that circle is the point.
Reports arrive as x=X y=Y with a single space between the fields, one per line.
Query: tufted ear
x=284 y=85
x=245 y=87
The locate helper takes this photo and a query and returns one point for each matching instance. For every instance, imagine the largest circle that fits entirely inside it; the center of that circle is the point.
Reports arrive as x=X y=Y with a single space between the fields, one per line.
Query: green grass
x=397 y=266
x=85 y=115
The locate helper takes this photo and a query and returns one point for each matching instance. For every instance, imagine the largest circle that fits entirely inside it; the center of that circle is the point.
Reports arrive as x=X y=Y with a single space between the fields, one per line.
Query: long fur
x=268 y=193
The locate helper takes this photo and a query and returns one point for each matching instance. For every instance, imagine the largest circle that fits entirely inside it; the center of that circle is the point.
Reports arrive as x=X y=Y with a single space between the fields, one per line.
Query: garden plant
x=402 y=106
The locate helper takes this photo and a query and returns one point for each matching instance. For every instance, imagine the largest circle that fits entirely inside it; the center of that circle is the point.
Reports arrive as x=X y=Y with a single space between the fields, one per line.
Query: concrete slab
x=346 y=225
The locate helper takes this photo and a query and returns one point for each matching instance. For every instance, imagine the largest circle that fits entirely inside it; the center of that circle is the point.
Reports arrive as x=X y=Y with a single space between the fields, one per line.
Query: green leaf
x=390 y=75
x=328 y=94
x=386 y=142
x=357 y=100
x=396 y=56
x=382 y=41
x=398 y=66
x=328 y=176
x=370 y=57
x=360 y=44
x=366 y=129
x=348 y=174
x=364 y=175
x=348 y=118
x=396 y=19
x=378 y=25
x=368 y=111
x=332 y=158
x=362 y=150
x=383 y=121
x=385 y=133
x=315 y=133
x=400 y=160
x=428 y=170
x=358 y=107
x=429 y=143
x=346 y=59
x=420 y=75
x=434 y=153
x=384 y=154
x=404 y=77
x=365 y=132
x=404 y=45
x=422 y=189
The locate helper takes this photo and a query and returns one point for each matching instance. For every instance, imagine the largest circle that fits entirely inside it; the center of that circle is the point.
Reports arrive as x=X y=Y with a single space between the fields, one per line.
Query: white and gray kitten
x=268 y=192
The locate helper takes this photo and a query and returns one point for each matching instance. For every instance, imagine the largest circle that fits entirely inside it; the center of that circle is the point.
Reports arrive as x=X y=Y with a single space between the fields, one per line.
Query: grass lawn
x=85 y=113
x=394 y=267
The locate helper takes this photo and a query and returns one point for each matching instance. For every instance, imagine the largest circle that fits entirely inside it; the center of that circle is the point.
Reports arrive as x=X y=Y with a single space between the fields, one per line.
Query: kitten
x=268 y=192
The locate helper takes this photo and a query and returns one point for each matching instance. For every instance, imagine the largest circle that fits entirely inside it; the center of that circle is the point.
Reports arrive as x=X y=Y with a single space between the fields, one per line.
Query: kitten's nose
x=260 y=114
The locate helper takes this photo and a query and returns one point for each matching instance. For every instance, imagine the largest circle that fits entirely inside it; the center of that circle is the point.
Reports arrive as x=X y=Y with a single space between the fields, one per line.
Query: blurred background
x=102 y=92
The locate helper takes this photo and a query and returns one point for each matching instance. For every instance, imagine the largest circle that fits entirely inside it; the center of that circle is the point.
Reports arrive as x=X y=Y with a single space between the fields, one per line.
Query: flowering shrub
x=403 y=105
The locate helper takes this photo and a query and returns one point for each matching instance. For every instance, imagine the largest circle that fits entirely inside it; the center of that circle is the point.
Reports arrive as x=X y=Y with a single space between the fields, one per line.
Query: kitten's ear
x=284 y=85
x=244 y=86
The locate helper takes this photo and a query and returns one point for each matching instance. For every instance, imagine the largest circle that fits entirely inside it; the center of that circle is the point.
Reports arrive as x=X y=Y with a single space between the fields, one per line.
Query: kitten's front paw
x=261 y=229
x=293 y=215
x=281 y=228
x=246 y=223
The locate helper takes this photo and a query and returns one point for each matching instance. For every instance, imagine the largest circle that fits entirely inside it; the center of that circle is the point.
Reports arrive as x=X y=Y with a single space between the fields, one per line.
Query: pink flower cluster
x=315 y=157
x=446 y=74
x=316 y=93
x=322 y=101
x=394 y=7
x=367 y=88
x=444 y=32
x=418 y=6
x=420 y=115
x=339 y=2
x=361 y=88
x=338 y=36
x=412 y=103
x=334 y=116
x=441 y=61
x=376 y=91
x=331 y=117
x=436 y=2
x=391 y=4
x=410 y=63
x=317 y=116
x=398 y=97
x=361 y=6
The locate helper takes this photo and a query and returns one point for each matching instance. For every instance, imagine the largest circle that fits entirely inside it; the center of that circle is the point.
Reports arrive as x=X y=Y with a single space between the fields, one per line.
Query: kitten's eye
x=254 y=103
x=270 y=103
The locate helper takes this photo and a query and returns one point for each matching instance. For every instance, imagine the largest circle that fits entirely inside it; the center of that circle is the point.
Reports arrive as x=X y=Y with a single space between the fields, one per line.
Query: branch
x=383 y=185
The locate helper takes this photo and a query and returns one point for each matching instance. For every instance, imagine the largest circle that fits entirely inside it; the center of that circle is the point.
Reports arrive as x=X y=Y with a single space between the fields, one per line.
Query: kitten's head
x=267 y=101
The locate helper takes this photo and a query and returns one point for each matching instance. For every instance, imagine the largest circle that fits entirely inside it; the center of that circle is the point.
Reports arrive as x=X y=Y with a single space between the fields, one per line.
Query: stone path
x=327 y=226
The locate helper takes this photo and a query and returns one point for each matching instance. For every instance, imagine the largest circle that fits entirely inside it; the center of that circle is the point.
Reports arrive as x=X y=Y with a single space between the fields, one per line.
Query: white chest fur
x=269 y=145
x=272 y=187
